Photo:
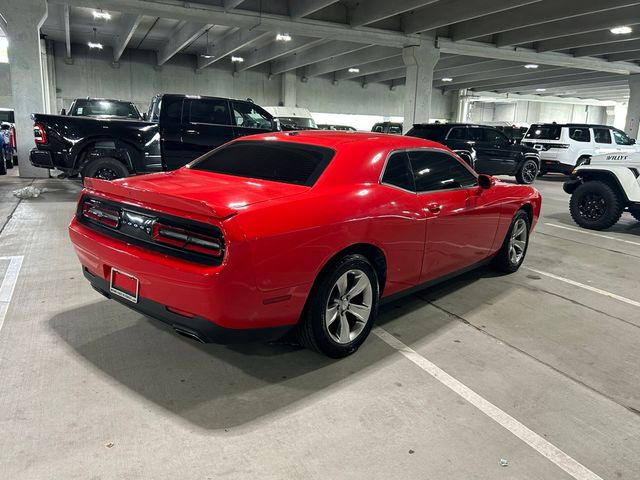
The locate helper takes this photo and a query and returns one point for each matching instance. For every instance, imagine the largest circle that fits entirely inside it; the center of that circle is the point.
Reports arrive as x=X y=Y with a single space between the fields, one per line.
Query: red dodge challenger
x=304 y=230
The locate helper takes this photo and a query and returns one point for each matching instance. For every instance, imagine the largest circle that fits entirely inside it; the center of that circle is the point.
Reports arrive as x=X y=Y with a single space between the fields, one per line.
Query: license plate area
x=124 y=285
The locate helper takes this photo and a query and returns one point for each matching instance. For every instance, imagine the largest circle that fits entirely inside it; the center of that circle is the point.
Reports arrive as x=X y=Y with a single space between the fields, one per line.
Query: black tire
x=528 y=172
x=313 y=331
x=635 y=213
x=595 y=205
x=105 y=168
x=505 y=261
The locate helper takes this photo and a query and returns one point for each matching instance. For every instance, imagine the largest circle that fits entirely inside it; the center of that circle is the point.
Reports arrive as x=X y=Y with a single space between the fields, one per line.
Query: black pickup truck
x=179 y=129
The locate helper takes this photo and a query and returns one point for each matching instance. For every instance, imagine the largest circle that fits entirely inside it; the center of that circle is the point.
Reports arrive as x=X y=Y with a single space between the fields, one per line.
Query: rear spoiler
x=153 y=198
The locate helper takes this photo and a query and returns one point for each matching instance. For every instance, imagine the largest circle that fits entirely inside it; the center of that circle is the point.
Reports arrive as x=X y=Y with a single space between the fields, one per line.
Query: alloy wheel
x=529 y=172
x=349 y=306
x=592 y=206
x=106 y=173
x=518 y=241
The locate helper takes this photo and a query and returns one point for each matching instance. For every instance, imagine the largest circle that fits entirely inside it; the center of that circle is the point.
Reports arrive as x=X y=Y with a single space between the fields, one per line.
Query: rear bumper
x=41 y=158
x=555 y=166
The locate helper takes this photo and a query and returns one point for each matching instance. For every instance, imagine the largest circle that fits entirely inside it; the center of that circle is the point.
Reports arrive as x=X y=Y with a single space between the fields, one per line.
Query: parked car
x=563 y=146
x=7 y=116
x=181 y=128
x=602 y=188
x=293 y=118
x=253 y=239
x=342 y=128
x=387 y=127
x=103 y=108
x=486 y=148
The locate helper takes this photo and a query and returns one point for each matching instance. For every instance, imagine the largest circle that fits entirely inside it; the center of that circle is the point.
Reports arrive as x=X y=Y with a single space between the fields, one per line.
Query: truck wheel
x=105 y=169
x=514 y=248
x=595 y=205
x=528 y=172
x=341 y=308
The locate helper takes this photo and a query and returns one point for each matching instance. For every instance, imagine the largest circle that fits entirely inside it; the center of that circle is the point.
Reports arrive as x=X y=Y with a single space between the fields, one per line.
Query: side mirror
x=145 y=117
x=633 y=141
x=63 y=112
x=486 y=181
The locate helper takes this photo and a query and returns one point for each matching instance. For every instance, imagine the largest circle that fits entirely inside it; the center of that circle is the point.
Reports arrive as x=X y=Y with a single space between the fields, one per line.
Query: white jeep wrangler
x=603 y=188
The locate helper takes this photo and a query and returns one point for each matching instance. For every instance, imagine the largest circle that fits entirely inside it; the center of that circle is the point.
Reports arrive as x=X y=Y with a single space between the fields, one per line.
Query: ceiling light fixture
x=283 y=37
x=101 y=14
x=235 y=59
x=95 y=43
x=354 y=70
x=447 y=79
x=541 y=89
x=207 y=54
x=621 y=30
x=531 y=66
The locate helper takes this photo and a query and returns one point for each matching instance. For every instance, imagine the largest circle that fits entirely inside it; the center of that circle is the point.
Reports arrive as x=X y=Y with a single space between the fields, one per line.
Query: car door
x=207 y=125
x=603 y=141
x=249 y=119
x=170 y=122
x=496 y=154
x=622 y=141
x=455 y=238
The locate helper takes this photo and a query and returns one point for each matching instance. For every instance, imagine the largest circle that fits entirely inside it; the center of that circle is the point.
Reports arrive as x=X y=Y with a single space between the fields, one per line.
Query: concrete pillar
x=23 y=21
x=288 y=90
x=420 y=62
x=460 y=106
x=632 y=124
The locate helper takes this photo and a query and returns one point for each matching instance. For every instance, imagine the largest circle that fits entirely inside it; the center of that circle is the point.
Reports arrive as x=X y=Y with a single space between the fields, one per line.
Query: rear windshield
x=428 y=132
x=7 y=116
x=544 y=132
x=284 y=162
x=111 y=108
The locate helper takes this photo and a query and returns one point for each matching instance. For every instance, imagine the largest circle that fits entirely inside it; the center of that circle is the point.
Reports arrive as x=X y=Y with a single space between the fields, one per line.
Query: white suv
x=565 y=146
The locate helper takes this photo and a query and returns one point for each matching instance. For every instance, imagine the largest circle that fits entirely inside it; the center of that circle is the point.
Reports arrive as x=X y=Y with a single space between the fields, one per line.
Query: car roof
x=450 y=125
x=334 y=138
x=583 y=125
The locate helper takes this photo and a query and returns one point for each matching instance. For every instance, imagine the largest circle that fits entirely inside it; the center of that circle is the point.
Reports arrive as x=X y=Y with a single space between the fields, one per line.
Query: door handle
x=434 y=207
x=192 y=132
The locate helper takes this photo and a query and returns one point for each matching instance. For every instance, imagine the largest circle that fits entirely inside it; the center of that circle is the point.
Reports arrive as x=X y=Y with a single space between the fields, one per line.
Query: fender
x=76 y=151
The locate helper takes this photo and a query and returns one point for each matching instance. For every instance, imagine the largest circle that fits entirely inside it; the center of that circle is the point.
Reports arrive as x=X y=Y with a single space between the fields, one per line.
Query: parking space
x=91 y=387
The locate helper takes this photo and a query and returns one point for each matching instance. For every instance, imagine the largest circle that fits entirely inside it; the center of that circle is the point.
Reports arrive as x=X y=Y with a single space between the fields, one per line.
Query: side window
x=170 y=112
x=210 y=111
x=246 y=115
x=395 y=129
x=602 y=135
x=377 y=128
x=435 y=170
x=579 y=134
x=457 y=133
x=475 y=134
x=621 y=138
x=494 y=137
x=398 y=172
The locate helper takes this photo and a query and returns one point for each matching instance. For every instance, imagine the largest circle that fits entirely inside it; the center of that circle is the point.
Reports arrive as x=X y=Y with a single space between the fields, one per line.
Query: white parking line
x=620 y=298
x=531 y=438
x=8 y=285
x=592 y=234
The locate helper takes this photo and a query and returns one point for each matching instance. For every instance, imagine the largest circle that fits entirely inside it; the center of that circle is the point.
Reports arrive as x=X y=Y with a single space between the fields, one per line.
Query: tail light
x=559 y=145
x=186 y=240
x=100 y=213
x=40 y=134
x=14 y=143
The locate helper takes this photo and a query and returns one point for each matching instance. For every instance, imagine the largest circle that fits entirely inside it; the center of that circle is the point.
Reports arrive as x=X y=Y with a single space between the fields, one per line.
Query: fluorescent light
x=206 y=55
x=95 y=45
x=621 y=30
x=102 y=15
x=354 y=70
x=237 y=59
x=283 y=37
x=541 y=89
x=447 y=79
x=531 y=66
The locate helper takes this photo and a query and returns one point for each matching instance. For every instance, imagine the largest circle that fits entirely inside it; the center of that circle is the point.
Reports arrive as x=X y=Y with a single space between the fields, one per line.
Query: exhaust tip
x=189 y=334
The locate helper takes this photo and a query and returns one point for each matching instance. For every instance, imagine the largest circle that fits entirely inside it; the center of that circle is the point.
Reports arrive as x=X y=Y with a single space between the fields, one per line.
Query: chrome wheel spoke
x=345 y=330
x=331 y=315
x=342 y=284
x=358 y=288
x=360 y=312
x=519 y=245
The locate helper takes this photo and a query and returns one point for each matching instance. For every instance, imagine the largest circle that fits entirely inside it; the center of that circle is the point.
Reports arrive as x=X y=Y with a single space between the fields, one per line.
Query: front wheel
x=514 y=248
x=595 y=205
x=528 y=172
x=341 y=308
x=105 y=168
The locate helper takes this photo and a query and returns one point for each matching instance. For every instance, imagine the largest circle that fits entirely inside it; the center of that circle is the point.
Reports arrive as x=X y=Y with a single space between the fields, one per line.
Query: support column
x=23 y=22
x=460 y=106
x=288 y=91
x=632 y=124
x=420 y=62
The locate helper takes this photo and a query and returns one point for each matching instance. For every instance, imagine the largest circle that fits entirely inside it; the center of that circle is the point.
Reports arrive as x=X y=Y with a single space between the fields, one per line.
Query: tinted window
x=475 y=134
x=438 y=171
x=274 y=161
x=397 y=129
x=377 y=128
x=209 y=111
x=7 y=116
x=398 y=172
x=494 y=137
x=171 y=111
x=581 y=134
x=428 y=132
x=109 y=108
x=544 y=132
x=246 y=115
x=298 y=122
x=602 y=135
x=458 y=133
x=621 y=138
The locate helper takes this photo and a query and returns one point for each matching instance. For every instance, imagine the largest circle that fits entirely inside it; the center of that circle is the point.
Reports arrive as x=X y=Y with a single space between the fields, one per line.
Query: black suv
x=486 y=149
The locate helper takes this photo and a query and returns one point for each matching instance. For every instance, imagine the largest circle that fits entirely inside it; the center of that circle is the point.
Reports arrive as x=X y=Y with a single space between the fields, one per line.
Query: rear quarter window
x=544 y=132
x=284 y=162
x=579 y=134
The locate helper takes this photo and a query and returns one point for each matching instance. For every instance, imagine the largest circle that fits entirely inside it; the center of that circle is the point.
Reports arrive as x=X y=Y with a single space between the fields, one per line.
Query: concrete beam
x=302 y=8
x=179 y=39
x=526 y=55
x=384 y=65
x=229 y=44
x=67 y=28
x=586 y=88
x=314 y=55
x=534 y=14
x=624 y=57
x=128 y=25
x=359 y=57
x=608 y=48
x=455 y=61
x=582 y=40
x=574 y=83
x=533 y=80
x=375 y=10
x=454 y=11
x=493 y=67
x=231 y=4
x=276 y=50
x=512 y=73
x=607 y=14
x=386 y=76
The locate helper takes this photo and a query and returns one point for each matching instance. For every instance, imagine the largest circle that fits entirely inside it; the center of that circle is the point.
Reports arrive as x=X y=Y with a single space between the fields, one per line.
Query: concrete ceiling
x=484 y=45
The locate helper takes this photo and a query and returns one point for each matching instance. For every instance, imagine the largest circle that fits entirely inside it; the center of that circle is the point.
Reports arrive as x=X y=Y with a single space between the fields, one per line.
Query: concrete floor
x=92 y=390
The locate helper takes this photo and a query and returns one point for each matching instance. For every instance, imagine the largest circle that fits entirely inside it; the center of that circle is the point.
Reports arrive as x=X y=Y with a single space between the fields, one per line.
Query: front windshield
x=298 y=122
x=108 y=108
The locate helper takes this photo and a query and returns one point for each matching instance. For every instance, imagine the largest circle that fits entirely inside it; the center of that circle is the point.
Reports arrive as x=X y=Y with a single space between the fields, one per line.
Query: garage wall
x=530 y=112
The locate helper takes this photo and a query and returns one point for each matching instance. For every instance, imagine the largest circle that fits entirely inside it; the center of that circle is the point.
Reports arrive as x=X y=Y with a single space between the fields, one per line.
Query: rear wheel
x=341 y=308
x=528 y=172
x=105 y=168
x=514 y=247
x=595 y=205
